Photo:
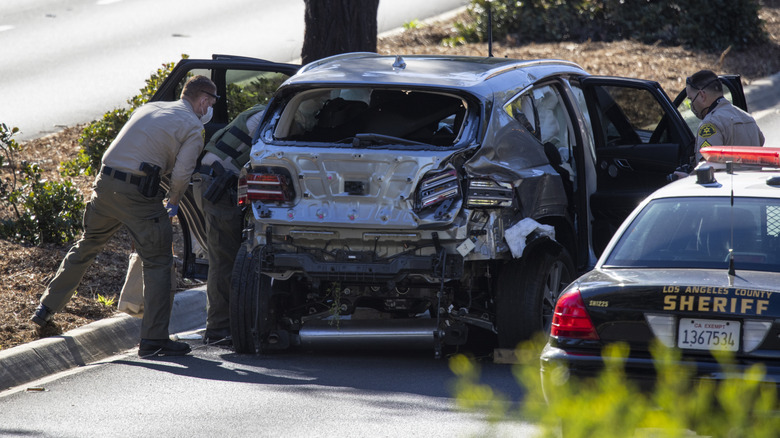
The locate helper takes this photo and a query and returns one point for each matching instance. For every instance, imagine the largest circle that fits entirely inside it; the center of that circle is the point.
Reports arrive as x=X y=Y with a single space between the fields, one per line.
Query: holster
x=223 y=180
x=150 y=182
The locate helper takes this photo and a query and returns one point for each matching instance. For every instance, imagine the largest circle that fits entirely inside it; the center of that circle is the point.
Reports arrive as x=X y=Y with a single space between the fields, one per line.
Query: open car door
x=640 y=138
x=241 y=83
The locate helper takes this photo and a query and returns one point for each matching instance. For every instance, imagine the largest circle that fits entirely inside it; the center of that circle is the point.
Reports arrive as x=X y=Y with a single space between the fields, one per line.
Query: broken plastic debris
x=516 y=235
x=466 y=247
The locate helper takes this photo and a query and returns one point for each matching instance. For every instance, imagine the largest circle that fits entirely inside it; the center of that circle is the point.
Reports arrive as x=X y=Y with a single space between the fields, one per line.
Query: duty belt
x=122 y=176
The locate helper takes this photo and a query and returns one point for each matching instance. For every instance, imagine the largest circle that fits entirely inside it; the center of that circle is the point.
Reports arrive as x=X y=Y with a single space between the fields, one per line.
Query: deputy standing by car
x=214 y=186
x=722 y=124
x=160 y=138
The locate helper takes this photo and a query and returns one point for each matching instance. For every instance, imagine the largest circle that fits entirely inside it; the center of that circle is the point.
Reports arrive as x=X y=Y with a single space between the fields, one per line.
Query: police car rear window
x=701 y=233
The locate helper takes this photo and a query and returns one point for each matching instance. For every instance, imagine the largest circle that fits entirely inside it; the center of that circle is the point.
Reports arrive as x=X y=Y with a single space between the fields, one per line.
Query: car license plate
x=708 y=334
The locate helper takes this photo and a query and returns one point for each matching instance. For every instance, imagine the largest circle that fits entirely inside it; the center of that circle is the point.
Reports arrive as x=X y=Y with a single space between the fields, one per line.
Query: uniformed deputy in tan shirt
x=722 y=124
x=165 y=134
x=160 y=138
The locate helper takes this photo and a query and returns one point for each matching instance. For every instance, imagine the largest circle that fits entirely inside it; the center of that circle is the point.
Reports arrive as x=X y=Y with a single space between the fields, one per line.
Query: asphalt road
x=215 y=392
x=763 y=98
x=68 y=62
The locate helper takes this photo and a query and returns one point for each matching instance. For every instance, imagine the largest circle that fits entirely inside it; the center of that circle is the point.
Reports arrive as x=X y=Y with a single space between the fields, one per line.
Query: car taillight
x=264 y=187
x=487 y=193
x=436 y=188
x=571 y=319
x=763 y=156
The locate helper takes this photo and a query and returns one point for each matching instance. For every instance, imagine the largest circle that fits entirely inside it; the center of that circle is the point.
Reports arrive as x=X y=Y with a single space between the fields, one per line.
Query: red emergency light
x=756 y=155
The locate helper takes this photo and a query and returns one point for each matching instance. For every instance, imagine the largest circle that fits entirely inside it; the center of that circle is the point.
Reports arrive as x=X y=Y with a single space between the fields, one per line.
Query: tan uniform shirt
x=166 y=134
x=727 y=125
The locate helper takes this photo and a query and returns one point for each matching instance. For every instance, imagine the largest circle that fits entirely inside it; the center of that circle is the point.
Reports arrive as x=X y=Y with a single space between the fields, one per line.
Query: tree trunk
x=338 y=26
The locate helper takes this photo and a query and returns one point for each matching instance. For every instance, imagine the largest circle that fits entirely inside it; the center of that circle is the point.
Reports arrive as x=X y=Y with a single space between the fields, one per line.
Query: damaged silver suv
x=401 y=201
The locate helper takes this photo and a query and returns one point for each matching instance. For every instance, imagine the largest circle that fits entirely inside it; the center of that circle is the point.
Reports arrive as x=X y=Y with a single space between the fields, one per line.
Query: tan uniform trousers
x=224 y=221
x=115 y=203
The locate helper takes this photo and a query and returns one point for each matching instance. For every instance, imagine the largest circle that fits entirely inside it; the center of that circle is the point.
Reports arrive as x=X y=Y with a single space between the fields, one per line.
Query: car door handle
x=623 y=163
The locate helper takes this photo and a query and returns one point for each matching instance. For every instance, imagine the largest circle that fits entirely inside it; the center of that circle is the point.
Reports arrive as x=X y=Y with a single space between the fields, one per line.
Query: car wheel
x=527 y=293
x=245 y=306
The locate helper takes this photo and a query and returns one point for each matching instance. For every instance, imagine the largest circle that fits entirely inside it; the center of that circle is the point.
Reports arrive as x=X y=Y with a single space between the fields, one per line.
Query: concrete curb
x=93 y=342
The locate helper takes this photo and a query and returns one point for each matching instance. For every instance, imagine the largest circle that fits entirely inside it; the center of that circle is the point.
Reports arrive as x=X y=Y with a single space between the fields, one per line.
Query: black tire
x=245 y=301
x=527 y=293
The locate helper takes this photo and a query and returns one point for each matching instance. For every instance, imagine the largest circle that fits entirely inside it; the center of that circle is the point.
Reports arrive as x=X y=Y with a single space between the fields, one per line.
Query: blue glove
x=173 y=209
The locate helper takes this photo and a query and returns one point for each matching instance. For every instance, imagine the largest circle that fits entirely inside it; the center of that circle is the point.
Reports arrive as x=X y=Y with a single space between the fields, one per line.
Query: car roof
x=458 y=72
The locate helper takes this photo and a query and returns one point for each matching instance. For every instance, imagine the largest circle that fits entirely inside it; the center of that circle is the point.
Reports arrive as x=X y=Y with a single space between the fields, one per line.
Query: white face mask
x=205 y=118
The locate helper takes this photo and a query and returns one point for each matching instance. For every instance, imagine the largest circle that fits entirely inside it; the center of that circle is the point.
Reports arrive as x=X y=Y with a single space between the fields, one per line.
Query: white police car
x=695 y=266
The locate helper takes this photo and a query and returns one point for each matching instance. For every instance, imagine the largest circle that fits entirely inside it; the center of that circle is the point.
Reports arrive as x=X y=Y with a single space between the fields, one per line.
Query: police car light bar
x=757 y=155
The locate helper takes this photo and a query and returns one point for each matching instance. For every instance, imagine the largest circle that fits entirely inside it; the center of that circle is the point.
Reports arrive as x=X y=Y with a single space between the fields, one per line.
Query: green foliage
x=610 y=406
x=152 y=84
x=723 y=23
x=242 y=96
x=94 y=141
x=98 y=135
x=413 y=24
x=472 y=395
x=9 y=148
x=38 y=211
x=52 y=213
x=453 y=41
x=108 y=302
x=701 y=24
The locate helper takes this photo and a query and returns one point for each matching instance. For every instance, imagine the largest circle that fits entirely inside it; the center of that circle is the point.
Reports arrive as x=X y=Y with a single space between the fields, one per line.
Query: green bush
x=242 y=96
x=94 y=141
x=98 y=135
x=610 y=406
x=711 y=25
x=725 y=23
x=37 y=211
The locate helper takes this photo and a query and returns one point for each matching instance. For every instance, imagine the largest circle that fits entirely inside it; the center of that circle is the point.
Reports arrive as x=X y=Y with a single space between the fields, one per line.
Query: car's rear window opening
x=339 y=114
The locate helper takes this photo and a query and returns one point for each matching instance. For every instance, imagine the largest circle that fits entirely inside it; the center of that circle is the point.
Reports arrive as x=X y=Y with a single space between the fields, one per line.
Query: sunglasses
x=215 y=96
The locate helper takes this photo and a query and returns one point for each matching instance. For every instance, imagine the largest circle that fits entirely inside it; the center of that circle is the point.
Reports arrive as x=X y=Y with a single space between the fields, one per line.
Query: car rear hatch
x=360 y=157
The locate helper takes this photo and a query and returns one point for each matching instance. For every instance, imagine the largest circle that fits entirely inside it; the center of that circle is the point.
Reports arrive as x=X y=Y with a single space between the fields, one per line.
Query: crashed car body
x=401 y=200
x=695 y=268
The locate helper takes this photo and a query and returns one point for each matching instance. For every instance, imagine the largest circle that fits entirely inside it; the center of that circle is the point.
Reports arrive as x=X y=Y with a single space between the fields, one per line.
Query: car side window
x=628 y=116
x=247 y=88
x=242 y=89
x=543 y=113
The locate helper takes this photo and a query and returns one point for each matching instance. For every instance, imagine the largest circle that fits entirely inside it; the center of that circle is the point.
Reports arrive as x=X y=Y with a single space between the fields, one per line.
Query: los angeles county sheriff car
x=695 y=266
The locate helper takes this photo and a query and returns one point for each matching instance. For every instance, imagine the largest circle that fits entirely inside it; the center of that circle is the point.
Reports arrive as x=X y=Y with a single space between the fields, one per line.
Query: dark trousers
x=115 y=203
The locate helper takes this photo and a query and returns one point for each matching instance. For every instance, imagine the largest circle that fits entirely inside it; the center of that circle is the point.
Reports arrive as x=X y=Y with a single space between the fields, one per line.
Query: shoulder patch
x=203 y=134
x=707 y=130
